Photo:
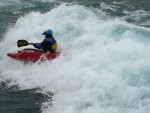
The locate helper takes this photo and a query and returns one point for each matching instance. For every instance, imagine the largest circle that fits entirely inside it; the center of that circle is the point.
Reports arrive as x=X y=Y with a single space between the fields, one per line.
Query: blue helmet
x=48 y=32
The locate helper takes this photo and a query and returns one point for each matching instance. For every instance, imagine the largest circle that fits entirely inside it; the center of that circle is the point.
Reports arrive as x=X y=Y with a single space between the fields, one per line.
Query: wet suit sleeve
x=37 y=45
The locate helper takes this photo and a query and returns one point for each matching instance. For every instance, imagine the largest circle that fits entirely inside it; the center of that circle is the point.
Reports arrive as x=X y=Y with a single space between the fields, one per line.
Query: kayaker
x=48 y=44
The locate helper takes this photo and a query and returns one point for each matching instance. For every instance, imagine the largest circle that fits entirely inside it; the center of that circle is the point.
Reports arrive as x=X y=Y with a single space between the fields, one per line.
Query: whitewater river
x=105 y=62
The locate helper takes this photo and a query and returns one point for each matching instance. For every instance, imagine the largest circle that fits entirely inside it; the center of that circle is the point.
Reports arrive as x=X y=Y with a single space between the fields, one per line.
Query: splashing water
x=105 y=69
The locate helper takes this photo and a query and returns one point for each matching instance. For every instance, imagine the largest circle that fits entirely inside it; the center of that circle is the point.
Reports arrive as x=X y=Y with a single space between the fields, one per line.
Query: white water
x=105 y=68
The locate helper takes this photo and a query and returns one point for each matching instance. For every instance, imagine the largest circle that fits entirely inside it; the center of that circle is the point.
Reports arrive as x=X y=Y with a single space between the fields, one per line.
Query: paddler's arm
x=36 y=45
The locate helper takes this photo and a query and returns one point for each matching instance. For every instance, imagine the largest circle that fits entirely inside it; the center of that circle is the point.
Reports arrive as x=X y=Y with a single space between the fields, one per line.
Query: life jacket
x=49 y=44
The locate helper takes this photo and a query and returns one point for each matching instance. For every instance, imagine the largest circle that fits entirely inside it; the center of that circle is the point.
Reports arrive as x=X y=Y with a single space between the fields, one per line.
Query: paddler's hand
x=31 y=43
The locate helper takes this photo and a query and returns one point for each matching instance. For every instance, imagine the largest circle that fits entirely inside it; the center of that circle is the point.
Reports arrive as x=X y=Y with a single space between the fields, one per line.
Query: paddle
x=21 y=43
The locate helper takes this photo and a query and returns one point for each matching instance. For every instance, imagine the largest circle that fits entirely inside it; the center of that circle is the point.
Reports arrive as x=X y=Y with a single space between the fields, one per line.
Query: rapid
x=104 y=66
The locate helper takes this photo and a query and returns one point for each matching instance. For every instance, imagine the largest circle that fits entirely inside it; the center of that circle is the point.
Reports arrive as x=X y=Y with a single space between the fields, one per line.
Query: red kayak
x=33 y=55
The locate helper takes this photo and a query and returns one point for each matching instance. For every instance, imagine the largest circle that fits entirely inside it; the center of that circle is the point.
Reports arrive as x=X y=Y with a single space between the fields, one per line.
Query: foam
x=102 y=71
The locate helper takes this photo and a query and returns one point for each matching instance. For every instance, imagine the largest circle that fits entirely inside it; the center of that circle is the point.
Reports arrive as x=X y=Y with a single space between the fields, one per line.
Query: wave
x=105 y=69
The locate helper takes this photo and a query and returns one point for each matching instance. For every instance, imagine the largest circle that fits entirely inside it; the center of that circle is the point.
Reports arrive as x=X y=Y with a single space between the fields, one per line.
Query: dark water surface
x=13 y=100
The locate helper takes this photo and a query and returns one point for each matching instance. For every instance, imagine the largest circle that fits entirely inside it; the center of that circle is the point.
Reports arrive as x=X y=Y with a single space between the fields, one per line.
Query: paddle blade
x=21 y=43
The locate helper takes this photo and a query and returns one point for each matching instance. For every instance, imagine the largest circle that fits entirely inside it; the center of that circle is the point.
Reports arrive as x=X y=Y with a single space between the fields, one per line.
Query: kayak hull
x=33 y=55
